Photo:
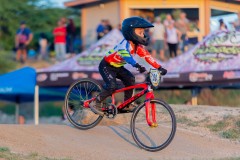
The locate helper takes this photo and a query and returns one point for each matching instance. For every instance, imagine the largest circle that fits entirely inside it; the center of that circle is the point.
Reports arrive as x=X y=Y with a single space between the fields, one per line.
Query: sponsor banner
x=231 y=74
x=211 y=77
x=60 y=78
x=67 y=78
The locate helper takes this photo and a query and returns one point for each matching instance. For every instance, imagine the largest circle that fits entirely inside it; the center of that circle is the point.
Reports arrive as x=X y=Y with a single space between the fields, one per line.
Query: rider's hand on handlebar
x=140 y=68
x=162 y=70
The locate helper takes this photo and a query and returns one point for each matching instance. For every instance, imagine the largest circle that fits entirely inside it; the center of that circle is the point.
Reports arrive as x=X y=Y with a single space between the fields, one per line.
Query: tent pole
x=36 y=105
x=195 y=93
x=17 y=113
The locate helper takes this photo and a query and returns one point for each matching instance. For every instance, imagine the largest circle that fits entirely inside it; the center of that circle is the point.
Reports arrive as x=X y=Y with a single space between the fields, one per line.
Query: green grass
x=4 y=149
x=231 y=134
x=185 y=120
x=217 y=126
x=228 y=128
x=7 y=155
x=50 y=109
x=8 y=108
x=238 y=124
x=236 y=158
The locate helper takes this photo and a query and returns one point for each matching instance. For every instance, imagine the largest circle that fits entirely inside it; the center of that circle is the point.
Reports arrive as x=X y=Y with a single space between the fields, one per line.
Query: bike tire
x=79 y=116
x=144 y=139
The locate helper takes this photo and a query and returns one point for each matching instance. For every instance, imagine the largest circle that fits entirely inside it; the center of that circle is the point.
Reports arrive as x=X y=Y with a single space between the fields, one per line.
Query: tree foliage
x=39 y=18
x=7 y=62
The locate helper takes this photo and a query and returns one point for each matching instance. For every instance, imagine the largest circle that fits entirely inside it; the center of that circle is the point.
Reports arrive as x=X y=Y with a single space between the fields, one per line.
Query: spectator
x=43 y=43
x=236 y=23
x=108 y=27
x=173 y=37
x=77 y=44
x=60 y=41
x=22 y=39
x=168 y=20
x=183 y=26
x=100 y=29
x=120 y=27
x=64 y=21
x=222 y=25
x=148 y=34
x=71 y=32
x=157 y=36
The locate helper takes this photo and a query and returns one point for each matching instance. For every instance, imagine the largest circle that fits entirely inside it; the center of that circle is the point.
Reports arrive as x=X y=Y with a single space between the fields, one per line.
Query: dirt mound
x=107 y=143
x=112 y=139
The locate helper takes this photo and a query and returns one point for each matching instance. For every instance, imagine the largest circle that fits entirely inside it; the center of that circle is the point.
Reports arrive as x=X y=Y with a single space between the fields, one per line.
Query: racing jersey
x=122 y=54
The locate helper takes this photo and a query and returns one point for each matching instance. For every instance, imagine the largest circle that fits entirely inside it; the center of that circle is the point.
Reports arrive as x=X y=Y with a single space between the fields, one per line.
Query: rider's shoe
x=96 y=107
x=130 y=108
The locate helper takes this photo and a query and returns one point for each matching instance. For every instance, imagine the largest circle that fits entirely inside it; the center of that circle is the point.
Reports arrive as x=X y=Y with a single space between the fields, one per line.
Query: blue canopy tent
x=20 y=86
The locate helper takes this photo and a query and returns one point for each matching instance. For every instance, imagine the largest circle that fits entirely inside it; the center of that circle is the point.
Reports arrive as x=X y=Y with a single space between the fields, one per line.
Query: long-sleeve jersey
x=122 y=54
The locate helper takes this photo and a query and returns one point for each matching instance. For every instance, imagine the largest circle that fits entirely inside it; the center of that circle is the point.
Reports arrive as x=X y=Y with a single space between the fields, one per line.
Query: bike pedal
x=111 y=111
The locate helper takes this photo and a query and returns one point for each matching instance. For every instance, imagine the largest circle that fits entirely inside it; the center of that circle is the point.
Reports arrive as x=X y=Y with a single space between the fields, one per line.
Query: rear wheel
x=77 y=114
x=154 y=138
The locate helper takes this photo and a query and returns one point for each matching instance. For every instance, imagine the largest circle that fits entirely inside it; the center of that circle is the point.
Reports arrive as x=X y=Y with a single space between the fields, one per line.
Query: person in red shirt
x=60 y=33
x=112 y=65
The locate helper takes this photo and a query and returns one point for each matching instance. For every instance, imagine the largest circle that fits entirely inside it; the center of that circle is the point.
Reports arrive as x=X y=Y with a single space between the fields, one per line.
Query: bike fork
x=150 y=108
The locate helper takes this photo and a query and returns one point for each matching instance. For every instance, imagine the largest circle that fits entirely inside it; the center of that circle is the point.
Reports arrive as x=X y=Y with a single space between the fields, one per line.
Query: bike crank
x=111 y=111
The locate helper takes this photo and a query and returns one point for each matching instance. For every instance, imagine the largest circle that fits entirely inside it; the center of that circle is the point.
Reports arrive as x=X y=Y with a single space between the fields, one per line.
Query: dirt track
x=108 y=143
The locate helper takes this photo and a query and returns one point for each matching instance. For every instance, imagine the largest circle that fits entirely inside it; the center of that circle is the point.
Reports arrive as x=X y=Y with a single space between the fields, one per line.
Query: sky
x=56 y=3
x=60 y=3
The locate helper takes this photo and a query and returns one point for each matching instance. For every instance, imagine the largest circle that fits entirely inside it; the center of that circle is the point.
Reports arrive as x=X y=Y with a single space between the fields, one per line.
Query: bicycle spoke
x=77 y=114
x=154 y=138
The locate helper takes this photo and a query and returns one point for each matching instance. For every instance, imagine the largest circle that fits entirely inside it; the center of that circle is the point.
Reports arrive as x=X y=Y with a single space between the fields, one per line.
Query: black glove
x=140 y=68
x=162 y=70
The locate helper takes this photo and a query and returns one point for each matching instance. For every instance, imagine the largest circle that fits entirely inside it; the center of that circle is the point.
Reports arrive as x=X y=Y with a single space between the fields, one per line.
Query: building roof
x=84 y=3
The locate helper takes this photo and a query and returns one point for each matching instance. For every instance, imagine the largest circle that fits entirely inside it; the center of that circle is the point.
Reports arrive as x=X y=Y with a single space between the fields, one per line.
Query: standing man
x=100 y=29
x=157 y=35
x=183 y=27
x=236 y=23
x=60 y=33
x=22 y=40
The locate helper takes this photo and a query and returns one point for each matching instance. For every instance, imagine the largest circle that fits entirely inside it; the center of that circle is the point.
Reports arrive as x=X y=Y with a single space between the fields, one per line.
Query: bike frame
x=148 y=107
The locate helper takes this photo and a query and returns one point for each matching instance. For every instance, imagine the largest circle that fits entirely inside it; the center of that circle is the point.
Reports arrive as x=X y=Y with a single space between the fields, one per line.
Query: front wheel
x=158 y=137
x=77 y=114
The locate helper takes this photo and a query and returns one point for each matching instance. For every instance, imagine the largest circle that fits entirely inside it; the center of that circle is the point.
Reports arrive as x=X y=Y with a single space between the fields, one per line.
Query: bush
x=7 y=62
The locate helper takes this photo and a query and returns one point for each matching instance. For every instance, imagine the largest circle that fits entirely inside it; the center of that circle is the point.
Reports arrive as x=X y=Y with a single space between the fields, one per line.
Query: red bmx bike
x=153 y=123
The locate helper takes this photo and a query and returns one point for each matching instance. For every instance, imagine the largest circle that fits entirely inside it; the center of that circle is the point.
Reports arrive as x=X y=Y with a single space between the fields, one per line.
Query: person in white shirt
x=173 y=38
x=157 y=35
